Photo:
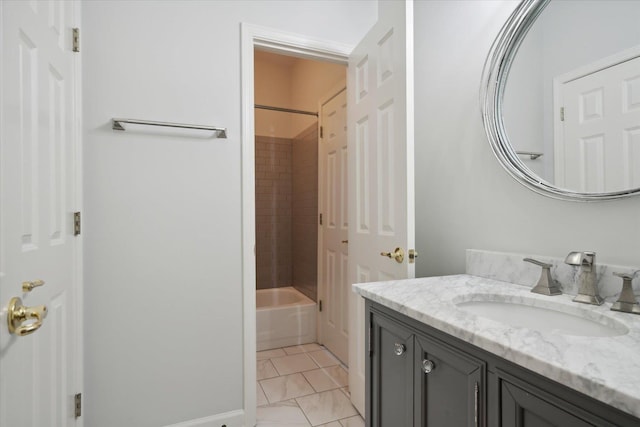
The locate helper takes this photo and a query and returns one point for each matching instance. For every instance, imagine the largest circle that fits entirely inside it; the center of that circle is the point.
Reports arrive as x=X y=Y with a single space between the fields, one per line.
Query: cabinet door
x=391 y=374
x=449 y=386
x=521 y=408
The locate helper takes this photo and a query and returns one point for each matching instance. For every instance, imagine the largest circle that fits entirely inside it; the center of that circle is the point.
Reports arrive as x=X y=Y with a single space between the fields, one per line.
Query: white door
x=40 y=372
x=380 y=134
x=599 y=145
x=334 y=316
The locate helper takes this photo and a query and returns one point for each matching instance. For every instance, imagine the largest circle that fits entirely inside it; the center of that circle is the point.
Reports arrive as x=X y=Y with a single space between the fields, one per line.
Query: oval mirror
x=561 y=98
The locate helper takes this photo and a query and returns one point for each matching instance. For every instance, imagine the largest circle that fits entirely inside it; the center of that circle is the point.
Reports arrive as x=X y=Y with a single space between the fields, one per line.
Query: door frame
x=284 y=43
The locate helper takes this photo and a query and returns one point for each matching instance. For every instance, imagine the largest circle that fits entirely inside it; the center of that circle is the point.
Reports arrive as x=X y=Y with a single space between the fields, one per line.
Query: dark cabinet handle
x=476 y=404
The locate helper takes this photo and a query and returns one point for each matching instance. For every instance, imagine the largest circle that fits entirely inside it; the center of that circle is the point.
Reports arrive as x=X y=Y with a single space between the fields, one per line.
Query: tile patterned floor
x=303 y=385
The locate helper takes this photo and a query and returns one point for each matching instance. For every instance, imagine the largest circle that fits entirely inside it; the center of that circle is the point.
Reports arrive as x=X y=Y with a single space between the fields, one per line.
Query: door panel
x=599 y=146
x=521 y=408
x=392 y=374
x=451 y=393
x=333 y=157
x=40 y=372
x=380 y=133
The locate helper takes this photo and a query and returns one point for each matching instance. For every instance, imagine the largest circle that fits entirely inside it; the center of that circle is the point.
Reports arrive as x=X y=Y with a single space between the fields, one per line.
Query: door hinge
x=76 y=223
x=76 y=39
x=320 y=219
x=321 y=131
x=562 y=114
x=320 y=305
x=78 y=405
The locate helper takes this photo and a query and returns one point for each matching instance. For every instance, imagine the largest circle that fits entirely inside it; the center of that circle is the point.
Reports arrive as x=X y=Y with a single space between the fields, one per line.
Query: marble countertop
x=605 y=368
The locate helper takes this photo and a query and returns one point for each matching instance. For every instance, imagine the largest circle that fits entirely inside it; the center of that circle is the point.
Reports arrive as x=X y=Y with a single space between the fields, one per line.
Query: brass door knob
x=18 y=313
x=413 y=254
x=398 y=255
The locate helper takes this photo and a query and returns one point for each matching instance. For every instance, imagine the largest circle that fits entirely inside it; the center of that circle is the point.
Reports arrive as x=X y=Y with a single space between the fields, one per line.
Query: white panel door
x=599 y=148
x=334 y=316
x=39 y=372
x=380 y=141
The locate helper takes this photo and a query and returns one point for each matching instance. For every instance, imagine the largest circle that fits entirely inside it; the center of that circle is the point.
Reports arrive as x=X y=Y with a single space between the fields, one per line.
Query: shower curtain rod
x=285 y=110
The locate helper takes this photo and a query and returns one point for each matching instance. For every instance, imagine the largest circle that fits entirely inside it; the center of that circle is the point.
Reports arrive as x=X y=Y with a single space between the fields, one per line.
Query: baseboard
x=228 y=419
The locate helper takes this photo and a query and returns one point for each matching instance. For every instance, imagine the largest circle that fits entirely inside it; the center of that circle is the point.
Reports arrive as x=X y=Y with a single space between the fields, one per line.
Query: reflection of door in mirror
x=575 y=43
x=597 y=123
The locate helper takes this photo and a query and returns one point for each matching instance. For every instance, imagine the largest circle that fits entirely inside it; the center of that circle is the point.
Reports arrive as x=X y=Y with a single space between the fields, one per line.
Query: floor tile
x=286 y=387
x=268 y=354
x=338 y=374
x=356 y=421
x=261 y=399
x=322 y=408
x=295 y=349
x=324 y=358
x=331 y=424
x=265 y=369
x=312 y=347
x=281 y=414
x=320 y=379
x=294 y=363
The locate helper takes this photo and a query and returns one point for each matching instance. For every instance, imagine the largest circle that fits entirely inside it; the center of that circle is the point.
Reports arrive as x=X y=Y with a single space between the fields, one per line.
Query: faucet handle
x=536 y=262
x=627 y=300
x=546 y=285
x=625 y=276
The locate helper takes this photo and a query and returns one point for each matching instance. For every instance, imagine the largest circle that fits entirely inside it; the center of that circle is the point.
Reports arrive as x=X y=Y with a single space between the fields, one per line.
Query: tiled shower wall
x=305 y=212
x=273 y=212
x=287 y=211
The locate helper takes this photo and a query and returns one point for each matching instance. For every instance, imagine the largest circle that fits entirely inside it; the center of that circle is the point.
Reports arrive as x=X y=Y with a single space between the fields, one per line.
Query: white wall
x=163 y=303
x=464 y=199
x=523 y=107
x=272 y=86
x=311 y=80
x=290 y=82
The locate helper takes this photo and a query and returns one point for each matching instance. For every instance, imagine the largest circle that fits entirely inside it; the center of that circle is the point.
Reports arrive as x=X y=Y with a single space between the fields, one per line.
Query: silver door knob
x=428 y=366
x=399 y=349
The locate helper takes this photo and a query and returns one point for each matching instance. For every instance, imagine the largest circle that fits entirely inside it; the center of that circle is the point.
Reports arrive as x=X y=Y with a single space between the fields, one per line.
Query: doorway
x=301 y=202
x=300 y=178
x=380 y=138
x=300 y=47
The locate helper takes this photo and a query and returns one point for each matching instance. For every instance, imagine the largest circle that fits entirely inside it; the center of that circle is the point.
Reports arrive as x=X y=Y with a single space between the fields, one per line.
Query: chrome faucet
x=546 y=285
x=627 y=301
x=587 y=287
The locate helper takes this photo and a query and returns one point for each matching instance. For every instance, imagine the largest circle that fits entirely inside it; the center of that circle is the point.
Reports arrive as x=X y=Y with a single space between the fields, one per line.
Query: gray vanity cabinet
x=448 y=386
x=418 y=381
x=419 y=376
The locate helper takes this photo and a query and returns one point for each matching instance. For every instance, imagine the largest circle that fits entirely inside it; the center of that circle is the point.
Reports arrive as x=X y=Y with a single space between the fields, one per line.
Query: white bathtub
x=284 y=317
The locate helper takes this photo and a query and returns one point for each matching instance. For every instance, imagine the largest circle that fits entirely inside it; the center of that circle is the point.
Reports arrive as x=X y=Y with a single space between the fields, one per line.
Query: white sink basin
x=552 y=318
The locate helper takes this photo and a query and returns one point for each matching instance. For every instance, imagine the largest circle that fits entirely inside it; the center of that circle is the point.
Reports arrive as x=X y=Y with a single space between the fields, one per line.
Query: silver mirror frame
x=494 y=78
